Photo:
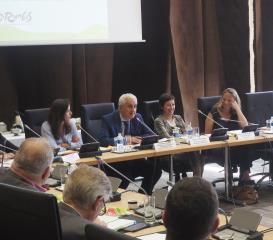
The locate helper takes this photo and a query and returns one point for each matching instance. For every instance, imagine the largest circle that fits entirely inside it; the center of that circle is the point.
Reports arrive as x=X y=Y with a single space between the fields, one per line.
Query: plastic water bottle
x=189 y=130
x=176 y=132
x=120 y=143
x=271 y=124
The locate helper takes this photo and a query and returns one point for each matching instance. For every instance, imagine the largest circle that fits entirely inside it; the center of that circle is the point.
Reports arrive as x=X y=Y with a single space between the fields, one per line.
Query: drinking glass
x=149 y=209
x=195 y=132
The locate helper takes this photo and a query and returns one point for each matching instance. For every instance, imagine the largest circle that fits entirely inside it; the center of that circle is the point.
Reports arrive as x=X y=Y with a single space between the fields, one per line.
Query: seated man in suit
x=31 y=166
x=127 y=122
x=84 y=196
x=191 y=210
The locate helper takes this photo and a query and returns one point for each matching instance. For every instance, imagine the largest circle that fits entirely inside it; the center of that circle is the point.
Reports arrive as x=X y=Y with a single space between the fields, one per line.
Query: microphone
x=88 y=134
x=210 y=118
x=146 y=126
x=101 y=161
x=11 y=149
x=237 y=121
x=30 y=129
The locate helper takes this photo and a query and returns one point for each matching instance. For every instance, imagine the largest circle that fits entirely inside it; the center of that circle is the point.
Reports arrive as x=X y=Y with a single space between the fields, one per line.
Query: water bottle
x=189 y=130
x=120 y=143
x=176 y=132
x=271 y=124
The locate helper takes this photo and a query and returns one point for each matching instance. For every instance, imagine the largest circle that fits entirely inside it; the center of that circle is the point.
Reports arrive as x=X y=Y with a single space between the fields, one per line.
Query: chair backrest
x=91 y=115
x=34 y=118
x=258 y=106
x=94 y=231
x=151 y=111
x=27 y=214
x=205 y=104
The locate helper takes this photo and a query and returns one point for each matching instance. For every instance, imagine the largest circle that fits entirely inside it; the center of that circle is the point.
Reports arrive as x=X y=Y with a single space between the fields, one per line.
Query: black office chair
x=151 y=111
x=258 y=107
x=205 y=104
x=27 y=214
x=34 y=118
x=91 y=115
x=94 y=231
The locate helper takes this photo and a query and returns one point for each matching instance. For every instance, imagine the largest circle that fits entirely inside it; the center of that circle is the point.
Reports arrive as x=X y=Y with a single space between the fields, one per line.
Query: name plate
x=199 y=140
x=161 y=145
x=245 y=135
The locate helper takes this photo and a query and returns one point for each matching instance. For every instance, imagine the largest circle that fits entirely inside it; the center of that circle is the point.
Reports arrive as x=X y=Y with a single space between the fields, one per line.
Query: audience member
x=31 y=166
x=227 y=112
x=127 y=122
x=191 y=211
x=84 y=196
x=164 y=125
x=60 y=129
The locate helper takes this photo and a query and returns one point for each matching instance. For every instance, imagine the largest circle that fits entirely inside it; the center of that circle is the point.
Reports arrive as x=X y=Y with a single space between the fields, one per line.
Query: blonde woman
x=227 y=112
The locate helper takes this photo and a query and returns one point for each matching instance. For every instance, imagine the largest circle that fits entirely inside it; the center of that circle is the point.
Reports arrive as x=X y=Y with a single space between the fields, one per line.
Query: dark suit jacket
x=111 y=127
x=72 y=223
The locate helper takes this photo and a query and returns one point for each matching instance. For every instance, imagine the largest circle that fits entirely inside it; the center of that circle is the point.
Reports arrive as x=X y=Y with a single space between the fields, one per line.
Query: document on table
x=154 y=236
x=116 y=223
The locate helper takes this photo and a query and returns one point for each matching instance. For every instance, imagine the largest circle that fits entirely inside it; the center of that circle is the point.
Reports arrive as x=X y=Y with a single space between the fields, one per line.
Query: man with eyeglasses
x=84 y=196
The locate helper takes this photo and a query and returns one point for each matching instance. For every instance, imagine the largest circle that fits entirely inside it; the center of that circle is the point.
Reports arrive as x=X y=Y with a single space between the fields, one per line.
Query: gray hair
x=84 y=185
x=125 y=97
x=34 y=155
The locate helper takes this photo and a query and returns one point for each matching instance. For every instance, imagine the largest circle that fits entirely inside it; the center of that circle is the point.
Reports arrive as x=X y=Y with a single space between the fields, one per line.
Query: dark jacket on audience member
x=111 y=127
x=72 y=223
x=9 y=177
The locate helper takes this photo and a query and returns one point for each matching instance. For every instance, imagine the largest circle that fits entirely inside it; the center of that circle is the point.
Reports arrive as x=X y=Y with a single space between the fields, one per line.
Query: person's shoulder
x=45 y=125
x=159 y=118
x=214 y=109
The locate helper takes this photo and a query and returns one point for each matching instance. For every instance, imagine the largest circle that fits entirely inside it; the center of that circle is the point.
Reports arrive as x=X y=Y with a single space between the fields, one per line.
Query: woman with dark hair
x=60 y=130
x=227 y=111
x=164 y=126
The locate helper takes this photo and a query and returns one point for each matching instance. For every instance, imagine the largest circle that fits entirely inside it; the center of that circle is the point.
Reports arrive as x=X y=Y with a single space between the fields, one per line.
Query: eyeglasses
x=103 y=210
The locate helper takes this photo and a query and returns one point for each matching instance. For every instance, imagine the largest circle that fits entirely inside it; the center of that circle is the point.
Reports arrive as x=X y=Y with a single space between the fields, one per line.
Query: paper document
x=120 y=224
x=116 y=223
x=71 y=158
x=154 y=236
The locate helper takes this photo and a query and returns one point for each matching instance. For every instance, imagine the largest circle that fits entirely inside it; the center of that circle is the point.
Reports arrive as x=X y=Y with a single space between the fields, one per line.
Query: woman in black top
x=227 y=112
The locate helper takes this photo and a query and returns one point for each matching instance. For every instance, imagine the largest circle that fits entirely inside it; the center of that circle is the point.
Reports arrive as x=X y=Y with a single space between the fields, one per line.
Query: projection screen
x=43 y=22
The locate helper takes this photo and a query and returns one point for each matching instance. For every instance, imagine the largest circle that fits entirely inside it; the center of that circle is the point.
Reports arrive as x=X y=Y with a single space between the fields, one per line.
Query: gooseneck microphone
x=101 y=161
x=30 y=129
x=11 y=149
x=210 y=118
x=88 y=134
x=146 y=126
x=237 y=121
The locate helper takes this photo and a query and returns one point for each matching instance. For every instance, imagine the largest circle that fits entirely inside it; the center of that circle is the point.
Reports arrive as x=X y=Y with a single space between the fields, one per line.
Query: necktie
x=126 y=130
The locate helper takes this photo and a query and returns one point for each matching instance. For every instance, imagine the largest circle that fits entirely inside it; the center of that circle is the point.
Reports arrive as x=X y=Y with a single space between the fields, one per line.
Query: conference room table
x=123 y=204
x=111 y=157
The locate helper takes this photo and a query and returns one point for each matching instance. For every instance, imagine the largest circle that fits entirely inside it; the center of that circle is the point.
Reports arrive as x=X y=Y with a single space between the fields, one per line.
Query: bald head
x=34 y=156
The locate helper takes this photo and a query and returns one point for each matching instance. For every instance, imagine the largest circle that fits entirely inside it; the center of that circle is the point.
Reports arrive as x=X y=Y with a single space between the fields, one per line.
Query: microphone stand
x=30 y=129
x=210 y=119
x=88 y=134
x=146 y=126
x=11 y=149
x=101 y=161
